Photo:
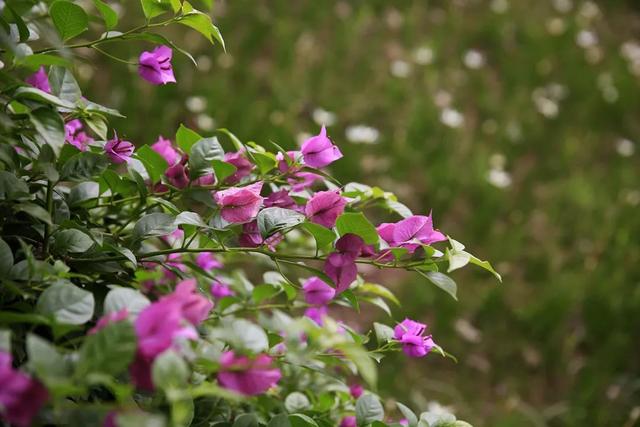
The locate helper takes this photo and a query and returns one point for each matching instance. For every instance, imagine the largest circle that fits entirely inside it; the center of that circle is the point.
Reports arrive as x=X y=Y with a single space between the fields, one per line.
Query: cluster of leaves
x=85 y=239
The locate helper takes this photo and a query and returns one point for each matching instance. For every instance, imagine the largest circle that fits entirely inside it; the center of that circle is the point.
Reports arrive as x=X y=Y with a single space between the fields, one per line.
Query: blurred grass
x=558 y=343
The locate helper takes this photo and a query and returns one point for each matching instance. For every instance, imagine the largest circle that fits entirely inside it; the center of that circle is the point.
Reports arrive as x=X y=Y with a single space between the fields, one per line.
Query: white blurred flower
x=196 y=104
x=499 y=178
x=474 y=59
x=423 y=55
x=546 y=99
x=204 y=63
x=563 y=6
x=625 y=147
x=205 y=122
x=400 y=69
x=466 y=330
x=436 y=408
x=323 y=117
x=362 y=134
x=452 y=118
x=589 y=10
x=556 y=26
x=632 y=197
x=586 y=39
x=442 y=98
x=497 y=161
x=225 y=60
x=499 y=6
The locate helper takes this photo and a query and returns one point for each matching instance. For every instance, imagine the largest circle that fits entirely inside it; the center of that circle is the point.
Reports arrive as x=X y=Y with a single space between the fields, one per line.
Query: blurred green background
x=517 y=122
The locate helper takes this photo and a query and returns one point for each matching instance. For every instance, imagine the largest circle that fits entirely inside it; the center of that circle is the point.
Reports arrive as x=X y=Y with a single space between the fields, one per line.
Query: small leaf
x=109 y=16
x=272 y=220
x=69 y=19
x=35 y=211
x=408 y=414
x=383 y=332
x=356 y=223
x=263 y=292
x=323 y=236
x=190 y=218
x=185 y=138
x=50 y=126
x=246 y=420
x=442 y=281
x=201 y=155
x=368 y=409
x=153 y=162
x=222 y=169
x=67 y=303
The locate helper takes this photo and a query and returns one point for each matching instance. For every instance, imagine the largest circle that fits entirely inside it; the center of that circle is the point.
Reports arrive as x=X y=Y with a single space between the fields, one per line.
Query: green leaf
x=6 y=258
x=23 y=30
x=383 y=332
x=35 y=211
x=64 y=85
x=302 y=420
x=265 y=161
x=185 y=138
x=69 y=19
x=246 y=420
x=153 y=162
x=50 y=126
x=263 y=292
x=323 y=236
x=108 y=351
x=379 y=290
x=201 y=155
x=296 y=402
x=120 y=298
x=45 y=360
x=98 y=124
x=84 y=166
x=356 y=223
x=408 y=414
x=73 y=241
x=82 y=192
x=190 y=218
x=363 y=362
x=33 y=62
x=442 y=281
x=169 y=370
x=109 y=16
x=153 y=8
x=272 y=220
x=280 y=420
x=487 y=266
x=140 y=419
x=66 y=303
x=154 y=224
x=242 y=334
x=368 y=409
x=222 y=169
x=12 y=188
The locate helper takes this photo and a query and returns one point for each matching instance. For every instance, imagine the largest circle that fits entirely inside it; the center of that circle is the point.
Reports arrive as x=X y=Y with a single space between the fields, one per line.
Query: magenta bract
x=318 y=151
x=240 y=204
x=155 y=66
x=325 y=207
x=40 y=80
x=119 y=150
x=247 y=376
x=317 y=292
x=21 y=396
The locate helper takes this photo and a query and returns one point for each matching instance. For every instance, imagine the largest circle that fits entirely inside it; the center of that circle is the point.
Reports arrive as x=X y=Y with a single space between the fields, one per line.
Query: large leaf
x=442 y=281
x=153 y=8
x=64 y=85
x=185 y=138
x=84 y=166
x=169 y=370
x=50 y=126
x=272 y=220
x=153 y=162
x=154 y=224
x=45 y=360
x=368 y=409
x=73 y=241
x=357 y=223
x=6 y=258
x=201 y=155
x=69 y=19
x=12 y=188
x=120 y=298
x=108 y=351
x=66 y=303
x=322 y=235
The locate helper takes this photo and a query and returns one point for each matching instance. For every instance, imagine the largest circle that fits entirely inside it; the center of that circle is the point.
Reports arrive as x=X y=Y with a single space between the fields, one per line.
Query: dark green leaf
x=84 y=166
x=246 y=420
x=35 y=61
x=302 y=420
x=35 y=211
x=154 y=224
x=190 y=218
x=368 y=409
x=109 y=15
x=201 y=155
x=12 y=188
x=272 y=220
x=50 y=126
x=6 y=258
x=153 y=162
x=64 y=85
x=281 y=420
x=72 y=240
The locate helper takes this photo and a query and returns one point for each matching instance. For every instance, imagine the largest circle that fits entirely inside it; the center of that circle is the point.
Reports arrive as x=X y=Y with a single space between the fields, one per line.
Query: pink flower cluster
x=21 y=396
x=409 y=333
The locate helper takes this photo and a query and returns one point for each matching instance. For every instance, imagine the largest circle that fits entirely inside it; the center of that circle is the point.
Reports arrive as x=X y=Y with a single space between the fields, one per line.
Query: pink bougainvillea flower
x=404 y=422
x=251 y=237
x=108 y=319
x=350 y=244
x=247 y=376
x=356 y=390
x=280 y=199
x=243 y=166
x=325 y=207
x=291 y=165
x=317 y=292
x=300 y=181
x=220 y=289
x=410 y=334
x=178 y=175
x=240 y=204
x=155 y=66
x=348 y=421
x=74 y=135
x=194 y=306
x=165 y=148
x=21 y=396
x=40 y=80
x=410 y=232
x=119 y=150
x=317 y=314
x=318 y=151
x=208 y=179
x=342 y=269
x=207 y=261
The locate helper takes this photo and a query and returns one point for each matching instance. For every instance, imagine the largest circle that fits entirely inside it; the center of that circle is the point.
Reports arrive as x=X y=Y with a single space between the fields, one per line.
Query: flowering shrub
x=191 y=281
